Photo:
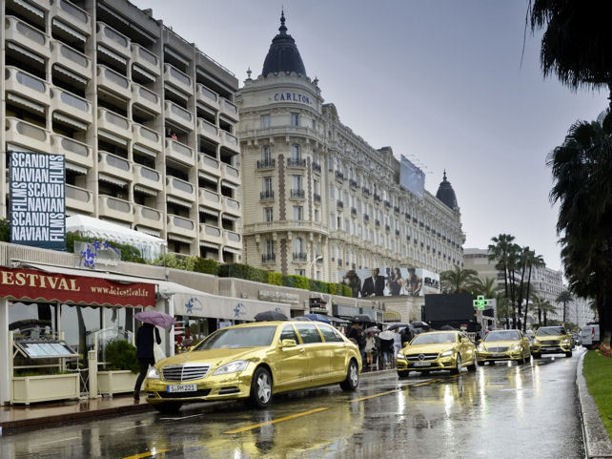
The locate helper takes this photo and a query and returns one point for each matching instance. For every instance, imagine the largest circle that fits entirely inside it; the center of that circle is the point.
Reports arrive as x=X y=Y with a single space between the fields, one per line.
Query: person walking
x=357 y=335
x=146 y=337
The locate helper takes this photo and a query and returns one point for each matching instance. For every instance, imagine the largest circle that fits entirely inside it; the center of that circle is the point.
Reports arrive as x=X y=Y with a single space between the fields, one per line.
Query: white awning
x=25 y=103
x=113 y=180
x=150 y=247
x=145 y=190
x=69 y=120
x=69 y=74
x=69 y=30
x=25 y=52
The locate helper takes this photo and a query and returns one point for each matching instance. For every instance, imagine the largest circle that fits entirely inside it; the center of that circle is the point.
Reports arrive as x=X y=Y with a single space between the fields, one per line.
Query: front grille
x=551 y=343
x=184 y=372
x=498 y=349
x=417 y=357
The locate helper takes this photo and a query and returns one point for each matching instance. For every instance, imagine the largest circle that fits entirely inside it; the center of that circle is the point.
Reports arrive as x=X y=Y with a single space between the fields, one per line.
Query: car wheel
x=472 y=367
x=568 y=354
x=479 y=363
x=403 y=374
x=536 y=355
x=261 y=388
x=168 y=407
x=352 y=377
x=457 y=369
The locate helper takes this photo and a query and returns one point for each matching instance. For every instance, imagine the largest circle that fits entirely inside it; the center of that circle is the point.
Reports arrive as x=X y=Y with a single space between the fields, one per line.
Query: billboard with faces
x=391 y=281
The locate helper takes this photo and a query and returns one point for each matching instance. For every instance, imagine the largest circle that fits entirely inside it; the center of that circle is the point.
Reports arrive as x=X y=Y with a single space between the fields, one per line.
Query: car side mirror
x=288 y=343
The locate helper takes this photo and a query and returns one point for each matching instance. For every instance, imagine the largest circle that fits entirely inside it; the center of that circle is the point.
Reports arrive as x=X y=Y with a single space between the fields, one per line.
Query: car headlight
x=232 y=367
x=482 y=348
x=515 y=347
x=447 y=353
x=536 y=342
x=153 y=373
x=400 y=356
x=566 y=340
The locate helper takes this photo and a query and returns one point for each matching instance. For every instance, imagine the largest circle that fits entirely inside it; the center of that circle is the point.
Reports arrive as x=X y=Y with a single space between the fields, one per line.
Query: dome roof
x=283 y=55
x=446 y=194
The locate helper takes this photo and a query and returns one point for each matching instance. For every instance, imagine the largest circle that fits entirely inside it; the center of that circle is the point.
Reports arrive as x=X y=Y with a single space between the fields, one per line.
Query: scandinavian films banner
x=37 y=199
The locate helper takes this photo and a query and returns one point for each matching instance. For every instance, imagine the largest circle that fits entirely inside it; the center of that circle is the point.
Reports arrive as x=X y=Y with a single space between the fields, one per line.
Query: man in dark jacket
x=357 y=335
x=146 y=336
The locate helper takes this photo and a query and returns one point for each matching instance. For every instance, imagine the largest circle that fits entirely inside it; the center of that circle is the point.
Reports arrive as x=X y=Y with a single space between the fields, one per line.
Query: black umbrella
x=270 y=315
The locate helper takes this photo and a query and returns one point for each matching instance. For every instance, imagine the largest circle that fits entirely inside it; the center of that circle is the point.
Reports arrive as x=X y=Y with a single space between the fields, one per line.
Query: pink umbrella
x=159 y=319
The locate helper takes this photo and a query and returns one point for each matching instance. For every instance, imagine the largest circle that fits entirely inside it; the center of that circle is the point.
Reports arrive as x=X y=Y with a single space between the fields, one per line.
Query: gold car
x=437 y=350
x=254 y=361
x=503 y=345
x=551 y=340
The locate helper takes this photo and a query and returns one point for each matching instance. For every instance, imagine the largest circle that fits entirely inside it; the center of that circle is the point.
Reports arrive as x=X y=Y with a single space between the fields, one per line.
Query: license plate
x=497 y=354
x=422 y=364
x=182 y=388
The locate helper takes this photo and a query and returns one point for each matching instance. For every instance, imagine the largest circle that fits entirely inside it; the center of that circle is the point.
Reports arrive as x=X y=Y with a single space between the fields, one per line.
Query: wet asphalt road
x=500 y=411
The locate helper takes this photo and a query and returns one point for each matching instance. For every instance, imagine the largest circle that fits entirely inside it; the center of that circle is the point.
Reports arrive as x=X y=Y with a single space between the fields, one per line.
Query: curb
x=57 y=419
x=596 y=440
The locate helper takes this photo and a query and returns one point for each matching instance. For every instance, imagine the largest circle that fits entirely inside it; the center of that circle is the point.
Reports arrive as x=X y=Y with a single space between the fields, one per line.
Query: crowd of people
x=379 y=347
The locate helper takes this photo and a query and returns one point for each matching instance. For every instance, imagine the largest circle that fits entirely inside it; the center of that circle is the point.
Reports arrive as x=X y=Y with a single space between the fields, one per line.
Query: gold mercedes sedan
x=503 y=345
x=437 y=350
x=551 y=340
x=253 y=361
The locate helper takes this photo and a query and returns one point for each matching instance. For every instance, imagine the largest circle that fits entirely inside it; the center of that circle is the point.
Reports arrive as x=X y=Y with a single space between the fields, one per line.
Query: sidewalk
x=36 y=415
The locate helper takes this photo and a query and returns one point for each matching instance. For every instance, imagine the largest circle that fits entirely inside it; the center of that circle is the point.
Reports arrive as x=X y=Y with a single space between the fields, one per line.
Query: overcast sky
x=444 y=83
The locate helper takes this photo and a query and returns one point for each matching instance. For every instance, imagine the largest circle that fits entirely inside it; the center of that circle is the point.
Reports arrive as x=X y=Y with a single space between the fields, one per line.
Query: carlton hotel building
x=318 y=200
x=149 y=127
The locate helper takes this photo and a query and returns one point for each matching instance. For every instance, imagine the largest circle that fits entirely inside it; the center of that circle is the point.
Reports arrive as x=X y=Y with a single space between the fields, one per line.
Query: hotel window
x=269 y=247
x=267 y=214
x=298 y=213
x=296 y=181
x=295 y=151
x=266 y=154
x=265 y=121
x=295 y=119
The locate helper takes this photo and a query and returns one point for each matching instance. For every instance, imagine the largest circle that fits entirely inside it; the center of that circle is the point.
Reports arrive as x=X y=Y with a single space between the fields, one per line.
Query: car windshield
x=434 y=338
x=503 y=335
x=239 y=337
x=548 y=331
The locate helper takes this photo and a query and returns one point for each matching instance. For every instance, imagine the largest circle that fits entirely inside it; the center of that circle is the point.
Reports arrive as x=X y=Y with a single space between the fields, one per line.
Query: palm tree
x=458 y=280
x=577 y=42
x=581 y=168
x=487 y=287
x=504 y=251
x=543 y=308
x=564 y=298
x=529 y=261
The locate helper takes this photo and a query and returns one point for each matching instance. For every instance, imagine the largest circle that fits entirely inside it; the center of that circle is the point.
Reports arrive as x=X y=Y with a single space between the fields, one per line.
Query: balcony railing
x=298 y=194
x=300 y=256
x=266 y=195
x=296 y=162
x=266 y=164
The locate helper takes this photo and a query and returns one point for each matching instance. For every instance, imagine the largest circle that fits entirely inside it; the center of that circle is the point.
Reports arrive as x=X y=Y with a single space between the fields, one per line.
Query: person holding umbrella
x=145 y=337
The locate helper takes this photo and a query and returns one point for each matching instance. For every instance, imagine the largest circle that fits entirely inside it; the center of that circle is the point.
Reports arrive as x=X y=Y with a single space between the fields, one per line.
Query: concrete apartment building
x=320 y=200
x=146 y=121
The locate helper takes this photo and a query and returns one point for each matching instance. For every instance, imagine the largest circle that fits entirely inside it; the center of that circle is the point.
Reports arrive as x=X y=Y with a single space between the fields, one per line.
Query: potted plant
x=121 y=368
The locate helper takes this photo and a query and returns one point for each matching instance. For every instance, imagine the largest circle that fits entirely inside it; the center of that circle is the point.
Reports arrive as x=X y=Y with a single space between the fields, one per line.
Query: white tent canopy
x=150 y=247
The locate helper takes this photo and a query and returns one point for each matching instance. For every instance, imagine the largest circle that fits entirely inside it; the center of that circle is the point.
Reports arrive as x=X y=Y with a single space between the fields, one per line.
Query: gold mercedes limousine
x=254 y=361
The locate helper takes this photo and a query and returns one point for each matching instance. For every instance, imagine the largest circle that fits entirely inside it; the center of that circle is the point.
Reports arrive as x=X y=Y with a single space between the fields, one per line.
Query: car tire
x=473 y=366
x=568 y=354
x=457 y=369
x=168 y=407
x=352 y=377
x=479 y=363
x=403 y=374
x=261 y=389
x=536 y=355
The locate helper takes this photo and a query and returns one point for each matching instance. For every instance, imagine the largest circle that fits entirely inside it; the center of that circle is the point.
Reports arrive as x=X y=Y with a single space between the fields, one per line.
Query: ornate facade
x=319 y=200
